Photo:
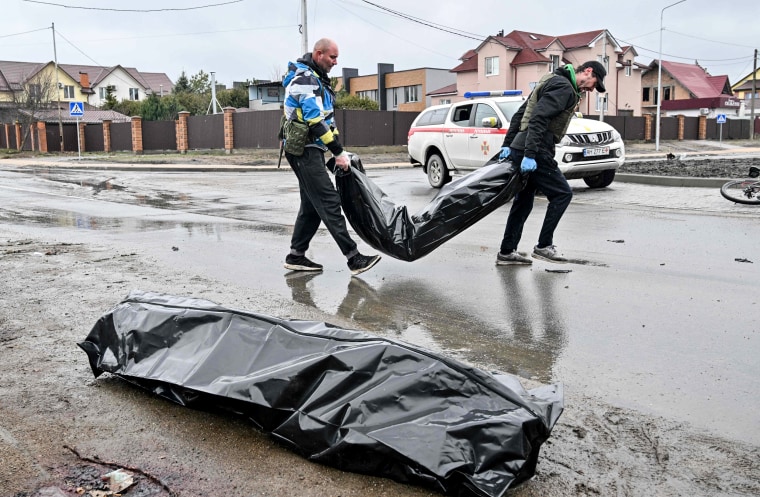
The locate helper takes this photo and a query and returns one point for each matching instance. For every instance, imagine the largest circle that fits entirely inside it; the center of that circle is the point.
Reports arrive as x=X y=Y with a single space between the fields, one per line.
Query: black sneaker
x=512 y=258
x=301 y=263
x=548 y=254
x=360 y=263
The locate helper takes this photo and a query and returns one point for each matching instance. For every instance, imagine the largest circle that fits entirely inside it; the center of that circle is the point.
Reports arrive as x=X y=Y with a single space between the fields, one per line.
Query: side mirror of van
x=490 y=122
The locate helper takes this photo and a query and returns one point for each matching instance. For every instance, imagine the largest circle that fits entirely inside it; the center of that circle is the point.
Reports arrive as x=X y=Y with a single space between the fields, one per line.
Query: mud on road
x=61 y=429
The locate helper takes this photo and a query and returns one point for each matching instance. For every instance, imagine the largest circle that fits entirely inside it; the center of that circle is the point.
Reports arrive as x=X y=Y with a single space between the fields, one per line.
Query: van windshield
x=509 y=108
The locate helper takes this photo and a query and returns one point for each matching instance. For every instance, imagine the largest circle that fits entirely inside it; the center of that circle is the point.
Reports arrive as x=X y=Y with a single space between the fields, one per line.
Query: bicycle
x=743 y=191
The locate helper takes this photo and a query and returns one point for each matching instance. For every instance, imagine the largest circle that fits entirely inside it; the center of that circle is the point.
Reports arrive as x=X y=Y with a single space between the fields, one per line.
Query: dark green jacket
x=542 y=120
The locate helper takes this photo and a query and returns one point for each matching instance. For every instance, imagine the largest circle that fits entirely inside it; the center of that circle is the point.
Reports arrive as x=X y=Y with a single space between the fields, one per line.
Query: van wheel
x=600 y=180
x=437 y=173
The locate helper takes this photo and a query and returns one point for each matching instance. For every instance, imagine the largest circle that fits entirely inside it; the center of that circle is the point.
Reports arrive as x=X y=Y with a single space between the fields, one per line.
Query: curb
x=650 y=179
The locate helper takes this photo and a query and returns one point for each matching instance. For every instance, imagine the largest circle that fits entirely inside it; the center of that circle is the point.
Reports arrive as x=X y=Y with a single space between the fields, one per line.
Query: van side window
x=461 y=115
x=438 y=116
x=483 y=111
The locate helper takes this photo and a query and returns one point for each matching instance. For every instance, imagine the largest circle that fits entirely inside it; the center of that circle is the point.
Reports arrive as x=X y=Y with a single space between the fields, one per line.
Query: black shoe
x=360 y=263
x=301 y=263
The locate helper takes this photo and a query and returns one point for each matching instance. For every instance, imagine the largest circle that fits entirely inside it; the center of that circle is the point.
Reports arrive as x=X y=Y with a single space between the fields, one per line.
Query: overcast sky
x=246 y=39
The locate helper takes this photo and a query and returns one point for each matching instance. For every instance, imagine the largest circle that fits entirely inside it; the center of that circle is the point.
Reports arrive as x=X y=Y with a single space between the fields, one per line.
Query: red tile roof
x=446 y=90
x=579 y=40
x=693 y=77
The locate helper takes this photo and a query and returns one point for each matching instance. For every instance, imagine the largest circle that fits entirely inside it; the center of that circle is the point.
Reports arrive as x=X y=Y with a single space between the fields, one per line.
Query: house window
x=35 y=91
x=103 y=92
x=666 y=92
x=134 y=94
x=444 y=101
x=492 y=66
x=68 y=91
x=411 y=94
x=555 y=62
x=395 y=97
x=628 y=70
x=367 y=94
x=645 y=94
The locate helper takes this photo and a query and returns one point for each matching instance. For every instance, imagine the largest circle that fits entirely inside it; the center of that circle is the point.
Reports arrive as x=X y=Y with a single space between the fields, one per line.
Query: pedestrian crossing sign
x=76 y=109
x=721 y=119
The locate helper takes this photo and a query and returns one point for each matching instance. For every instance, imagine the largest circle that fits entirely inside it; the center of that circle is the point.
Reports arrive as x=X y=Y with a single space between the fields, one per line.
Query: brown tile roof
x=524 y=39
x=579 y=40
x=469 y=64
x=528 y=56
x=14 y=73
x=446 y=90
x=693 y=77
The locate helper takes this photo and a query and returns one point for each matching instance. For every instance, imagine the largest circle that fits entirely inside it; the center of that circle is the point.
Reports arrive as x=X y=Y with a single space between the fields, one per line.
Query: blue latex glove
x=528 y=165
x=504 y=153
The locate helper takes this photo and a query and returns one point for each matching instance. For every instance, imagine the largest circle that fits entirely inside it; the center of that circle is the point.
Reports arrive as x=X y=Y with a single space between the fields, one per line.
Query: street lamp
x=659 y=79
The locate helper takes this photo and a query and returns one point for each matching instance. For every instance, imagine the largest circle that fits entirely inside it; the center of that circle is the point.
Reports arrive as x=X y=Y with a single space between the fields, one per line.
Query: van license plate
x=592 y=152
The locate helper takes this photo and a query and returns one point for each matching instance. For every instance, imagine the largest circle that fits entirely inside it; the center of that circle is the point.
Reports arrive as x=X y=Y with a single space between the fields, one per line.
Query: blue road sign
x=76 y=109
x=721 y=119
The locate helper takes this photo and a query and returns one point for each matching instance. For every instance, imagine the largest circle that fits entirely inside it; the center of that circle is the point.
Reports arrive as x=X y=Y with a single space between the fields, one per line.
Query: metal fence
x=358 y=128
x=159 y=135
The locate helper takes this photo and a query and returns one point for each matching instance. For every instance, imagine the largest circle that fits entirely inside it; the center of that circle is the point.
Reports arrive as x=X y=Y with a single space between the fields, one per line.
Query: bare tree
x=29 y=102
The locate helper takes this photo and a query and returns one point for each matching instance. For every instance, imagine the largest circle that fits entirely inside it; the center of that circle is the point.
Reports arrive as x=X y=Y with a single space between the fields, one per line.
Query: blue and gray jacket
x=309 y=99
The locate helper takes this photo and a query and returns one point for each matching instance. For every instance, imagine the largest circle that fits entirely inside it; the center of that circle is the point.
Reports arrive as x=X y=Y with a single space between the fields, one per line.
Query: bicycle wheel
x=742 y=191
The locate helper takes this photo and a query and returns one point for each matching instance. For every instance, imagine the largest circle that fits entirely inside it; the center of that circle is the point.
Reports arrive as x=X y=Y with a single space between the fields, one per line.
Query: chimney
x=84 y=80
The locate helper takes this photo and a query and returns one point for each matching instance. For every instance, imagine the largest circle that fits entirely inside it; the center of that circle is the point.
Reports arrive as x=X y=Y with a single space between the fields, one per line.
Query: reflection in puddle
x=523 y=334
x=67 y=219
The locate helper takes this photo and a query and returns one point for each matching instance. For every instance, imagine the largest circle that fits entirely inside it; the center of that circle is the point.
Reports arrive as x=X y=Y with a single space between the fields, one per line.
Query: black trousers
x=548 y=179
x=319 y=203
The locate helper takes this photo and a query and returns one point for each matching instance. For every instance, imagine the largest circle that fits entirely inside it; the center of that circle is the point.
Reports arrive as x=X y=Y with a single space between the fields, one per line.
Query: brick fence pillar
x=42 y=136
x=182 y=141
x=702 y=133
x=648 y=127
x=33 y=136
x=137 y=141
x=229 y=134
x=80 y=134
x=106 y=135
x=17 y=128
x=6 y=129
x=681 y=125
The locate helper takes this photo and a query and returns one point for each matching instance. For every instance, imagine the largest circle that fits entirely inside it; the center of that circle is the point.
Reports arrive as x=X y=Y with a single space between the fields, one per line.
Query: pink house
x=519 y=59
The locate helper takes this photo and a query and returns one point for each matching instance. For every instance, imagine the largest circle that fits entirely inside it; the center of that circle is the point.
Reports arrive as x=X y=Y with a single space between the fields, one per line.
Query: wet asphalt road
x=657 y=314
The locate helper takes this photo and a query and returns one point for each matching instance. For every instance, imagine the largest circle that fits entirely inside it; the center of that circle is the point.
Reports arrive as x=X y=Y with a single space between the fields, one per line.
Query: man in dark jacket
x=309 y=101
x=536 y=127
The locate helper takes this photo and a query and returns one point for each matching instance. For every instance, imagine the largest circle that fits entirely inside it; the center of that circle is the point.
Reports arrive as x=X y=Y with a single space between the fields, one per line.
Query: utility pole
x=304 y=29
x=58 y=89
x=659 y=78
x=213 y=102
x=604 y=63
x=754 y=94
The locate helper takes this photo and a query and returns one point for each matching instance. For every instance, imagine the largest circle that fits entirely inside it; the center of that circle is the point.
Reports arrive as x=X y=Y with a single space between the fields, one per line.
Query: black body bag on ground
x=340 y=397
x=390 y=228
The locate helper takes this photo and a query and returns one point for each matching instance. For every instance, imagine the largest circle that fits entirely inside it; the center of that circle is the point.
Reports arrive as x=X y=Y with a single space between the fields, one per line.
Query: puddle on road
x=66 y=219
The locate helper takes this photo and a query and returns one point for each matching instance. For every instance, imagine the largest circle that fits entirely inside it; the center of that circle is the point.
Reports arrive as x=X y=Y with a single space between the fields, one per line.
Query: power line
x=25 y=32
x=711 y=41
x=133 y=10
x=439 y=27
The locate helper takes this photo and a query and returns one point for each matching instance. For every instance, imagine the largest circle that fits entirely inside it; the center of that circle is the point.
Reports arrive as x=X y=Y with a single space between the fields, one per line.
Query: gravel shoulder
x=60 y=429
